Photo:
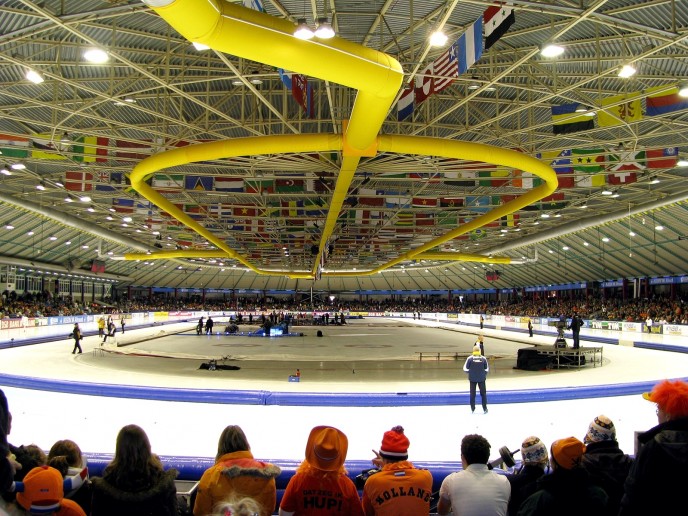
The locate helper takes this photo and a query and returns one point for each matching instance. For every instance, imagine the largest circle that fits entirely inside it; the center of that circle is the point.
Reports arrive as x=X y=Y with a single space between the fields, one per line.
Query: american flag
x=445 y=69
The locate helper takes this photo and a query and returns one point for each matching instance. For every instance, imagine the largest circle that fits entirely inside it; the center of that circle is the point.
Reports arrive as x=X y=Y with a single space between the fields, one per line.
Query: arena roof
x=327 y=212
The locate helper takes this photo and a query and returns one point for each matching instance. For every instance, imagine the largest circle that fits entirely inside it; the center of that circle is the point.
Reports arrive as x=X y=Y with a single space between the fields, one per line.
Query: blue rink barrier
x=192 y=468
x=317 y=399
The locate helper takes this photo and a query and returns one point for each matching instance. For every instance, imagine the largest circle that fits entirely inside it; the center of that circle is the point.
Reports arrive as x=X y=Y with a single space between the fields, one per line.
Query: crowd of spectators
x=661 y=309
x=592 y=476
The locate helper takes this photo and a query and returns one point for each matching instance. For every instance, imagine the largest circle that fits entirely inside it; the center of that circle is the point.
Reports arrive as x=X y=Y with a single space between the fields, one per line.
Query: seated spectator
x=567 y=490
x=236 y=474
x=320 y=484
x=134 y=483
x=399 y=489
x=477 y=490
x=659 y=473
x=28 y=456
x=8 y=466
x=242 y=507
x=534 y=463
x=42 y=492
x=65 y=456
x=604 y=461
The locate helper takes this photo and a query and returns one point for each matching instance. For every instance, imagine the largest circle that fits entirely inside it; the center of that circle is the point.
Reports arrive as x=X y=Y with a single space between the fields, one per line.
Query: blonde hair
x=243 y=507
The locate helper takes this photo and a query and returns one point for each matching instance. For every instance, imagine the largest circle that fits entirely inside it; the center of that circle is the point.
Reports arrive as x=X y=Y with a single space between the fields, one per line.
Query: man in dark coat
x=575 y=327
x=567 y=491
x=659 y=475
x=209 y=325
x=523 y=482
x=604 y=461
x=477 y=368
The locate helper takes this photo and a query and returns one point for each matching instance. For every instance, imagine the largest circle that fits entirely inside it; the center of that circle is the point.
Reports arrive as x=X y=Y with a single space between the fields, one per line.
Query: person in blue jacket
x=477 y=368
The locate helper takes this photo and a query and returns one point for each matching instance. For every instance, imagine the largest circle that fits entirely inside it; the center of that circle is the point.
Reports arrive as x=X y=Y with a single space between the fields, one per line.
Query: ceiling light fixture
x=654 y=180
x=302 y=30
x=682 y=162
x=683 y=89
x=607 y=192
x=200 y=46
x=9 y=226
x=85 y=198
x=5 y=172
x=551 y=50
x=40 y=186
x=17 y=166
x=255 y=79
x=96 y=56
x=34 y=76
x=65 y=138
x=324 y=29
x=627 y=71
x=474 y=85
x=438 y=38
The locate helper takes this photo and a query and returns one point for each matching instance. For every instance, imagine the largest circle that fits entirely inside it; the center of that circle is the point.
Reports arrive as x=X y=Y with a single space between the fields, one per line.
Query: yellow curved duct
x=462 y=257
x=250 y=34
x=468 y=151
x=260 y=37
x=216 y=150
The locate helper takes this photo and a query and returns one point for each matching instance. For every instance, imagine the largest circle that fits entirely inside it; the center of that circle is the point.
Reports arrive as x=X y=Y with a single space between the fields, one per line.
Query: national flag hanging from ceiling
x=371 y=201
x=560 y=161
x=662 y=158
x=667 y=101
x=257 y=186
x=556 y=201
x=405 y=103
x=451 y=202
x=622 y=112
x=469 y=46
x=425 y=219
x=623 y=167
x=289 y=185
x=168 y=182
x=14 y=146
x=48 y=146
x=590 y=162
x=496 y=177
x=132 y=150
x=303 y=93
x=424 y=202
x=565 y=120
x=497 y=19
x=123 y=205
x=77 y=181
x=525 y=180
x=108 y=181
x=89 y=149
x=248 y=210
x=479 y=203
x=464 y=178
x=423 y=84
x=198 y=183
x=292 y=208
x=229 y=184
